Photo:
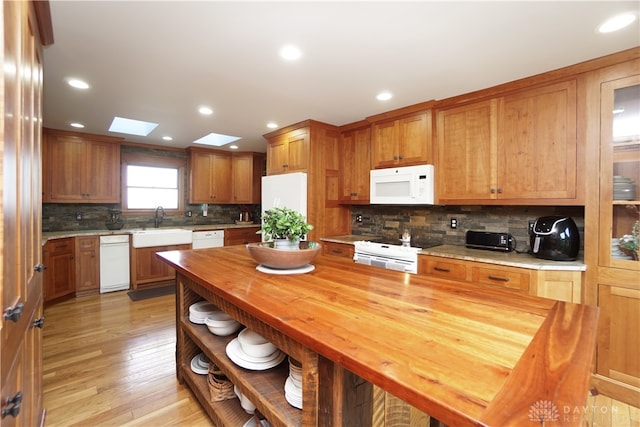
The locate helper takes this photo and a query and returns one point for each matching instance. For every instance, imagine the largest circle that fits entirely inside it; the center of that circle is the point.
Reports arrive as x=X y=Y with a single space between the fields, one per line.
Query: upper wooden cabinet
x=402 y=141
x=247 y=170
x=209 y=176
x=288 y=152
x=81 y=168
x=516 y=149
x=355 y=165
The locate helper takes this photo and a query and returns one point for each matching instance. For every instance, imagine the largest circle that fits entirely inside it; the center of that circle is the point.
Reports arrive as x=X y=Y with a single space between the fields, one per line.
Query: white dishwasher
x=114 y=263
x=207 y=239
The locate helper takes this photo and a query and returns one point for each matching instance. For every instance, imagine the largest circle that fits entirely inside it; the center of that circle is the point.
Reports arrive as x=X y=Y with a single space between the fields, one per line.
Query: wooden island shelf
x=464 y=353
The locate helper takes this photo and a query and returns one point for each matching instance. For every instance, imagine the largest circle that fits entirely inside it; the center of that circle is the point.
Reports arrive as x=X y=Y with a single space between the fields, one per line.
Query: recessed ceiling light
x=272 y=125
x=206 y=111
x=617 y=22
x=131 y=127
x=290 y=53
x=78 y=84
x=384 y=96
x=167 y=138
x=233 y=147
x=216 y=139
x=76 y=125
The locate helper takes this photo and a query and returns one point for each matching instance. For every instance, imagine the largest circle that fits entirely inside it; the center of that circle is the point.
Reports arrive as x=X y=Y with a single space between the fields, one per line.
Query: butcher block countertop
x=465 y=354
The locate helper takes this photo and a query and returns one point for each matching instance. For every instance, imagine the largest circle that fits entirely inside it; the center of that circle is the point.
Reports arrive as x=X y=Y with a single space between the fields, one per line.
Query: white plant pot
x=286 y=244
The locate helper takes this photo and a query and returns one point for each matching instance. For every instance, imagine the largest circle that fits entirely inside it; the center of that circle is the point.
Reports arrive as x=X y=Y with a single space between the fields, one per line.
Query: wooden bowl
x=282 y=259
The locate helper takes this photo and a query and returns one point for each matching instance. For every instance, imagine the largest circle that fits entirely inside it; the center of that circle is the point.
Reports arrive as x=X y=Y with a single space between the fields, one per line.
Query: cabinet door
x=344 y=250
x=298 y=151
x=87 y=265
x=277 y=155
x=618 y=342
x=102 y=176
x=502 y=276
x=68 y=155
x=385 y=144
x=355 y=164
x=466 y=152
x=59 y=277
x=241 y=236
x=199 y=177
x=443 y=267
x=537 y=146
x=221 y=178
x=414 y=145
x=242 y=178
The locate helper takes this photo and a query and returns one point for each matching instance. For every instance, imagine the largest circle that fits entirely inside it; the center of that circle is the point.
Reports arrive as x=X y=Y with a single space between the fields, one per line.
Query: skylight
x=131 y=127
x=216 y=139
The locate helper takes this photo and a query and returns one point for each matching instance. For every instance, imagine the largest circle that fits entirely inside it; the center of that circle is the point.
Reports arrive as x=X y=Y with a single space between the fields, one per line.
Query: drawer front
x=337 y=249
x=501 y=276
x=446 y=269
x=86 y=243
x=60 y=246
x=241 y=236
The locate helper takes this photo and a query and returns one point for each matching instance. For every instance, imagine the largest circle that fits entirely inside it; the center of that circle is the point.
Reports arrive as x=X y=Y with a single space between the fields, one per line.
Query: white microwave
x=408 y=185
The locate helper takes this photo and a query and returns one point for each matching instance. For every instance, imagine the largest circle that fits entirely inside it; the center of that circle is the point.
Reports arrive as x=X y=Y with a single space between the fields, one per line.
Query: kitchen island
x=465 y=354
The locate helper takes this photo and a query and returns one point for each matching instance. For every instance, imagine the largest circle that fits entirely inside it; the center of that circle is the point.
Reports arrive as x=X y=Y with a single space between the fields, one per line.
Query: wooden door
x=199 y=177
x=415 y=139
x=385 y=144
x=467 y=152
x=537 y=145
x=221 y=178
x=102 y=183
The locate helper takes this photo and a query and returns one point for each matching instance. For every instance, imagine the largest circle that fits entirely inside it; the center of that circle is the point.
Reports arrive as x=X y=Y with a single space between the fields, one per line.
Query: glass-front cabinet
x=620 y=174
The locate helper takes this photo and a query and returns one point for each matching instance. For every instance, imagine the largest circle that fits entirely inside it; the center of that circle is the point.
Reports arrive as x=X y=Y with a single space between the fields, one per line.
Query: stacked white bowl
x=220 y=323
x=246 y=404
x=293 y=384
x=252 y=351
x=199 y=311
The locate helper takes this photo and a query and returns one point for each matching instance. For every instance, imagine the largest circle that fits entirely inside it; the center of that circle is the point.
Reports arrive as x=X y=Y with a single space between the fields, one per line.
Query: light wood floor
x=109 y=361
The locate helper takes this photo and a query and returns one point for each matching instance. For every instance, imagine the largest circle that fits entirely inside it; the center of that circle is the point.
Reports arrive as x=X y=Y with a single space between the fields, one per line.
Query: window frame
x=137 y=159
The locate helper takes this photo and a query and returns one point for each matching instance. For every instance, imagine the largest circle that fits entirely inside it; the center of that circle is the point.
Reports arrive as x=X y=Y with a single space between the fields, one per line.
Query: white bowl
x=254 y=344
x=222 y=328
x=246 y=404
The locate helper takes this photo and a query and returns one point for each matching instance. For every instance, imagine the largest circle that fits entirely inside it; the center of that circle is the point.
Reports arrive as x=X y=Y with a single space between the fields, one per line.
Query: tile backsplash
x=430 y=225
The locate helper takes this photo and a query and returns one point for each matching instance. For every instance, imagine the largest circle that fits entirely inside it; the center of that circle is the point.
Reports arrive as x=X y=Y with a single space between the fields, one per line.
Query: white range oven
x=388 y=256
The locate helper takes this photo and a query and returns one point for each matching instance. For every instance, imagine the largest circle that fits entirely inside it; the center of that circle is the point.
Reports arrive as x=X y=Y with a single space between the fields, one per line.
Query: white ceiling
x=159 y=61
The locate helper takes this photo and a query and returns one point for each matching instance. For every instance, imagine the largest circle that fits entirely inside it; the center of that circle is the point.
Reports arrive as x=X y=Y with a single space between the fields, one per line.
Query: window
x=148 y=187
x=149 y=182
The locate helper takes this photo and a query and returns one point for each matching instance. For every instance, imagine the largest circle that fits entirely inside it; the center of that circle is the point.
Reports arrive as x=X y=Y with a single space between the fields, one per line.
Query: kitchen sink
x=160 y=237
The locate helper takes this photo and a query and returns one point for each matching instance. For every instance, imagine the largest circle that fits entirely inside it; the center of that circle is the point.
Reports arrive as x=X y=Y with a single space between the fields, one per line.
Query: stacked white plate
x=246 y=404
x=293 y=384
x=199 y=311
x=252 y=351
x=200 y=364
x=623 y=188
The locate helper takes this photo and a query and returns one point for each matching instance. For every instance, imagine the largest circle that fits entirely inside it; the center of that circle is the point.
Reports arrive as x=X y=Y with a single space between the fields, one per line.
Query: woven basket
x=220 y=388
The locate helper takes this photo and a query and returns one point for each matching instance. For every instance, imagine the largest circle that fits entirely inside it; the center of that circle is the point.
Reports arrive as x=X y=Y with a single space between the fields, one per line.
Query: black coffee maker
x=555 y=238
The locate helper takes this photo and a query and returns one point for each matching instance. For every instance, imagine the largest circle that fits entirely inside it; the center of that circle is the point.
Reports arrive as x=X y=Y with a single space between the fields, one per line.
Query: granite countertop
x=49 y=235
x=512 y=259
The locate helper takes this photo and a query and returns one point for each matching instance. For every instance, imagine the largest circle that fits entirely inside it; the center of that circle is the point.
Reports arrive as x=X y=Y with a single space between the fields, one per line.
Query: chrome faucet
x=159 y=216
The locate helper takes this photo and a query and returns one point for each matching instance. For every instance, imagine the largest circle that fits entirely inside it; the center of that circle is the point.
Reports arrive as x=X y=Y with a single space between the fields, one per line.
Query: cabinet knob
x=401 y=157
x=39 y=323
x=395 y=157
x=15 y=403
x=442 y=269
x=13 y=313
x=39 y=268
x=499 y=190
x=493 y=190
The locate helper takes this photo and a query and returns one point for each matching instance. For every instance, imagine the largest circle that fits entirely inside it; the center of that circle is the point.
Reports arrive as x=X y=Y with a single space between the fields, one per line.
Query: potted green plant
x=630 y=242
x=284 y=226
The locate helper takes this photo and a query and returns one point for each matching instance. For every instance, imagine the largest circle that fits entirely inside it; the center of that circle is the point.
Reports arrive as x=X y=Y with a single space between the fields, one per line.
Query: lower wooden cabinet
x=337 y=249
x=562 y=285
x=241 y=236
x=147 y=269
x=87 y=265
x=60 y=272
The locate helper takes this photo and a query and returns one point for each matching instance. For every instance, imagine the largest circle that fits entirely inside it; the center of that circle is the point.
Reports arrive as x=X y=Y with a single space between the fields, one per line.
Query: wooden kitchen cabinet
x=515 y=149
x=345 y=250
x=288 y=152
x=60 y=272
x=81 y=168
x=209 y=176
x=313 y=147
x=87 y=265
x=615 y=277
x=247 y=170
x=402 y=141
x=561 y=285
x=241 y=236
x=355 y=163
x=147 y=270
